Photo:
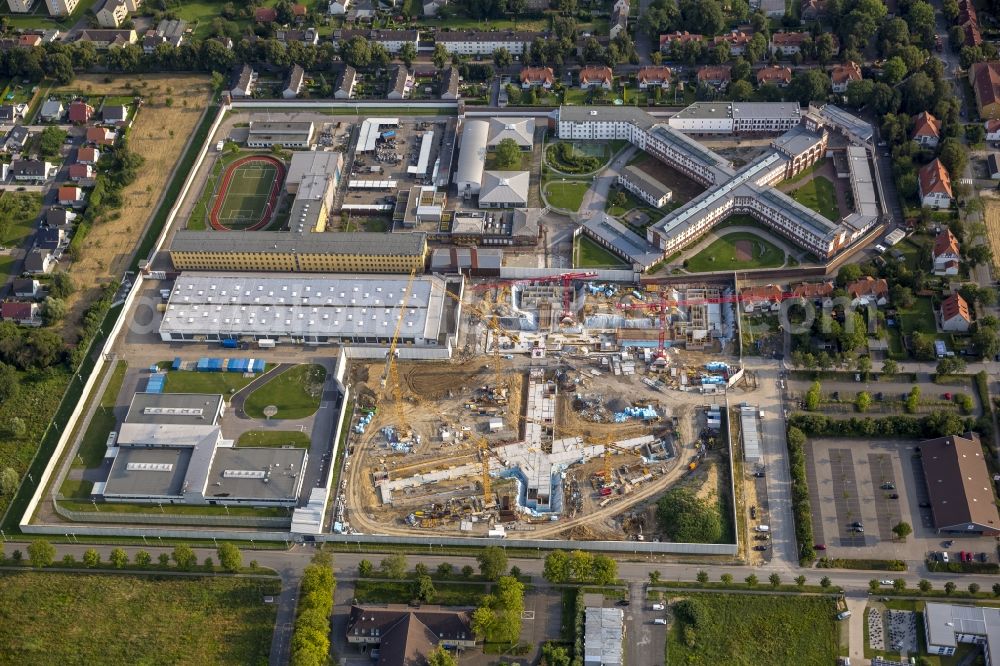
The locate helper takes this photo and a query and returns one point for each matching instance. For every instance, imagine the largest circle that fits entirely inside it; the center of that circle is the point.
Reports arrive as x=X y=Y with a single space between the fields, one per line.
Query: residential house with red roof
x=80 y=172
x=985 y=80
x=946 y=255
x=868 y=291
x=926 y=130
x=80 y=112
x=265 y=15
x=955 y=315
x=21 y=313
x=760 y=298
x=651 y=77
x=101 y=136
x=70 y=195
x=842 y=75
x=776 y=75
x=717 y=76
x=935 y=185
x=969 y=22
x=737 y=40
x=669 y=41
x=88 y=155
x=595 y=76
x=813 y=291
x=992 y=128
x=537 y=76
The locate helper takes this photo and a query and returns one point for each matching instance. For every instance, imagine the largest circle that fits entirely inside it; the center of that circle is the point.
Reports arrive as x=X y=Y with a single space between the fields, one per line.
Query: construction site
x=570 y=408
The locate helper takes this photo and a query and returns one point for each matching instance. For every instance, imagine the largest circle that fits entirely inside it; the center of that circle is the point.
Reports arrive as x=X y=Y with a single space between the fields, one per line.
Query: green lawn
x=758 y=629
x=39 y=17
x=95 y=440
x=721 y=254
x=819 y=195
x=18 y=213
x=566 y=195
x=448 y=594
x=804 y=174
x=295 y=392
x=525 y=164
x=919 y=318
x=588 y=254
x=186 y=381
x=274 y=438
x=199 y=15
x=56 y=618
x=173 y=509
x=360 y=223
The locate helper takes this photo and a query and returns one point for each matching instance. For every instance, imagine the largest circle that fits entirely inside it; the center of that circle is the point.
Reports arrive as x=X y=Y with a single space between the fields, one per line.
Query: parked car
x=760 y=548
x=888 y=485
x=759 y=474
x=753 y=511
x=659 y=607
x=894 y=496
x=623 y=602
x=761 y=537
x=885 y=581
x=947 y=396
x=659 y=620
x=820 y=546
x=925 y=505
x=944 y=557
x=982 y=557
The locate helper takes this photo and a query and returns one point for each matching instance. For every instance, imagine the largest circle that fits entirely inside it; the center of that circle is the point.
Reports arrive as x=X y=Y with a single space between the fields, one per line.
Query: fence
x=356 y=104
x=273 y=522
x=603 y=274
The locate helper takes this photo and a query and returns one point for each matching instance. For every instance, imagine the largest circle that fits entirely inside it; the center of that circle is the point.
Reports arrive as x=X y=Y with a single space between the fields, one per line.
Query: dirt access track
x=991 y=213
x=159 y=133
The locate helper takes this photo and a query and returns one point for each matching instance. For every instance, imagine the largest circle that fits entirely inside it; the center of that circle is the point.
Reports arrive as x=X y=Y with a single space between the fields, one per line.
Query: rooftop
x=504 y=187
x=646 y=182
x=287 y=242
x=632 y=246
x=959 y=483
x=175 y=408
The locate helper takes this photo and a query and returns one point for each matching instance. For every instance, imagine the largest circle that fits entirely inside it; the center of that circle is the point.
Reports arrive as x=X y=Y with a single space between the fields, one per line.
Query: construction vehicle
x=390 y=376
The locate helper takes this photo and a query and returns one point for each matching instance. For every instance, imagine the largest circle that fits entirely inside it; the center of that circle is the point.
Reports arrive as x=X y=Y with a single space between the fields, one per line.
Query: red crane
x=662 y=307
x=565 y=278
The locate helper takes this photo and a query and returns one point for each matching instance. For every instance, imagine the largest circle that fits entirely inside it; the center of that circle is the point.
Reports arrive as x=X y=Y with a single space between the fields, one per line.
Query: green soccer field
x=247 y=196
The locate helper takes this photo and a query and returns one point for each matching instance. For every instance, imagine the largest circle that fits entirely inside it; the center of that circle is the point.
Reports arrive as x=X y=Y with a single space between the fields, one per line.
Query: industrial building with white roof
x=746 y=191
x=315 y=309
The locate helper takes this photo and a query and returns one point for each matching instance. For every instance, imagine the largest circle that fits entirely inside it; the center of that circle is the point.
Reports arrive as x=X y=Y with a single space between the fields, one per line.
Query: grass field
x=758 y=629
x=94 y=444
x=59 y=618
x=991 y=214
x=295 y=392
x=158 y=134
x=566 y=195
x=18 y=212
x=387 y=592
x=246 y=198
x=819 y=195
x=721 y=254
x=185 y=381
x=919 y=318
x=588 y=254
x=274 y=438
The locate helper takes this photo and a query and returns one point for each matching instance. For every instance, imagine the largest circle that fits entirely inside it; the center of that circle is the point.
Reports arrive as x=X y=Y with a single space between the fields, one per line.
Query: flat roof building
x=170 y=449
x=737 y=117
x=356 y=252
x=311 y=163
x=350 y=310
x=603 y=637
x=947 y=625
x=266 y=133
x=959 y=485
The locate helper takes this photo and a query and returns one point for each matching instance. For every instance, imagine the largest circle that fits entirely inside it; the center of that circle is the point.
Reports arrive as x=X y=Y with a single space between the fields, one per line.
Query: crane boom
x=391 y=373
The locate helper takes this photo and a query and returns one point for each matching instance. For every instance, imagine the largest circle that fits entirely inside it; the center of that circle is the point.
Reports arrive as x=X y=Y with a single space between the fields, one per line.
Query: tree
x=987 y=341
x=701 y=16
x=661 y=17
x=751 y=580
x=810 y=85
x=8 y=481
x=949 y=587
x=727 y=579
x=581 y=565
x=813 y=396
x=996 y=589
x=492 y=562
x=950 y=366
x=53 y=310
x=91 y=558
x=702 y=576
x=407 y=54
x=10 y=384
x=555 y=655
x=978 y=254
x=556 y=568
x=50 y=141
x=41 y=553
x=894 y=70
x=467 y=571
x=441 y=657
x=440 y=56
x=687 y=519
x=604 y=570
x=184 y=557
x=924 y=585
x=899 y=584
x=164 y=560
x=357 y=52
x=143 y=558
x=365 y=569
x=973 y=588
x=774 y=579
x=17 y=427
x=863 y=401
x=61 y=285
x=118 y=558
x=873 y=585
x=507 y=155
x=445 y=569
x=421 y=569
x=890 y=367
x=902 y=530
x=824 y=582
x=912 y=401
x=483 y=621
x=393 y=566
x=502 y=58
x=954 y=156
x=423 y=589
x=230 y=557
x=741 y=91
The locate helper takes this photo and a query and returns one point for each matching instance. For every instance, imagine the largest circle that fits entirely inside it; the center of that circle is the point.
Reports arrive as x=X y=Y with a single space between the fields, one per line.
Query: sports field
x=247 y=194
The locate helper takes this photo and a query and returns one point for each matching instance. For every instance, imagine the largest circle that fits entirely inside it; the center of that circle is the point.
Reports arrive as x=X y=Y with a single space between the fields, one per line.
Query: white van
x=659 y=620
x=659 y=607
x=843 y=615
x=762 y=528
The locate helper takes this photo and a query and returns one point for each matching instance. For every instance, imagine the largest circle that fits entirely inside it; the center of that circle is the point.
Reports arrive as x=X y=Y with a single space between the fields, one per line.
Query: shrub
x=800 y=495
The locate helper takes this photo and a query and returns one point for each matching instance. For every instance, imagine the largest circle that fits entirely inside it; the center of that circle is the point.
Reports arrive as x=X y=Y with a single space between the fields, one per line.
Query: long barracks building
x=745 y=191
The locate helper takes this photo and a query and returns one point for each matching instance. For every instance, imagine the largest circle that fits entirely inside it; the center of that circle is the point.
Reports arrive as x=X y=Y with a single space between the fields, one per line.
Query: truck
x=265 y=343
x=230 y=343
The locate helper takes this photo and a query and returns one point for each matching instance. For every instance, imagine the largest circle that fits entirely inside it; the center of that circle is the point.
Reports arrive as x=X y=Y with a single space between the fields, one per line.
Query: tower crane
x=662 y=307
x=390 y=376
x=565 y=278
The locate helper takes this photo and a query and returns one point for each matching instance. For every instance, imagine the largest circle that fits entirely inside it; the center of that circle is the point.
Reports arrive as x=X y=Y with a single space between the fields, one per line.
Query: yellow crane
x=390 y=377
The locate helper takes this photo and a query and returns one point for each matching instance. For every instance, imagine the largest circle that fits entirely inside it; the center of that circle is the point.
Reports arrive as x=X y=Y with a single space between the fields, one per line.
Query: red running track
x=213 y=216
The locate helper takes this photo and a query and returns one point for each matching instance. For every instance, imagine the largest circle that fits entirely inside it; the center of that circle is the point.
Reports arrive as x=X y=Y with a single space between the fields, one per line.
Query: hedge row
x=311 y=637
x=936 y=424
x=864 y=564
x=800 y=495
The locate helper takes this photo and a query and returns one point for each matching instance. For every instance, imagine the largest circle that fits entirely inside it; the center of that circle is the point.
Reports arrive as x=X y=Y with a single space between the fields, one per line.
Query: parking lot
x=877 y=484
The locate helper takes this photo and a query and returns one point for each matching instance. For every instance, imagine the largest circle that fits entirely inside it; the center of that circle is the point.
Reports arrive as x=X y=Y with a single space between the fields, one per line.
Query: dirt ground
x=158 y=135
x=991 y=211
